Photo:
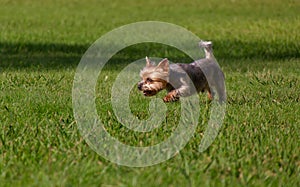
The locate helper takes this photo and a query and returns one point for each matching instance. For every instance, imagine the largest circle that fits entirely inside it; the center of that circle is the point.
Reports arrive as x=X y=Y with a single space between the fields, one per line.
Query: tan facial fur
x=154 y=78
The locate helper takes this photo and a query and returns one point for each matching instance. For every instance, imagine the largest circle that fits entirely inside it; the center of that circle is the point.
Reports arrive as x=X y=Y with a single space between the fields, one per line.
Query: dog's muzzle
x=146 y=92
x=140 y=85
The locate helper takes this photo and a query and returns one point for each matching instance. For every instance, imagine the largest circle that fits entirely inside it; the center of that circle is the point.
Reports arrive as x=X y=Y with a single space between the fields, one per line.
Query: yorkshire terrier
x=182 y=80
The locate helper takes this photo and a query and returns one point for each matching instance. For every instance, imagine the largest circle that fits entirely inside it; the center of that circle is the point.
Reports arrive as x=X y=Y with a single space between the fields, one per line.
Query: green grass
x=256 y=43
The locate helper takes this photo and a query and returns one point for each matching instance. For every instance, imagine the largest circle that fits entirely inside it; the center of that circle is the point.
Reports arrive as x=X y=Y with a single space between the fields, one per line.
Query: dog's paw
x=171 y=97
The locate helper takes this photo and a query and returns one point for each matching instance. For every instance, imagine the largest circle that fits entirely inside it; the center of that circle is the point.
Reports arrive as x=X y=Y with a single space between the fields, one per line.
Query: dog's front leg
x=173 y=95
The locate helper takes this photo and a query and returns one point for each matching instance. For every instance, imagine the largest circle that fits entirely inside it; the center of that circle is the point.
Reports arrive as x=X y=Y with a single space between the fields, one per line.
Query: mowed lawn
x=257 y=44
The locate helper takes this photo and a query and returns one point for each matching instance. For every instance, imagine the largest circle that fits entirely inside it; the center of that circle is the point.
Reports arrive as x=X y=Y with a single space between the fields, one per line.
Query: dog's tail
x=207 y=45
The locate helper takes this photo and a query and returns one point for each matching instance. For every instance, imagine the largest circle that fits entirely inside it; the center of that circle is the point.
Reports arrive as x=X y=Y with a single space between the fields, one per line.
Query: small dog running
x=203 y=75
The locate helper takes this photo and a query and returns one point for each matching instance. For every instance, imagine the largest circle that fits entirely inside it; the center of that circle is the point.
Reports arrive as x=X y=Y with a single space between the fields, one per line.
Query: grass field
x=257 y=44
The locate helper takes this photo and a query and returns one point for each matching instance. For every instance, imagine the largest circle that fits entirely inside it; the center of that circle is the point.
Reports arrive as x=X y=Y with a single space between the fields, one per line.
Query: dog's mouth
x=149 y=92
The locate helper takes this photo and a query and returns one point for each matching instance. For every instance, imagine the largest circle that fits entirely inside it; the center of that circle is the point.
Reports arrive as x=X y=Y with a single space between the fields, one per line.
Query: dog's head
x=154 y=78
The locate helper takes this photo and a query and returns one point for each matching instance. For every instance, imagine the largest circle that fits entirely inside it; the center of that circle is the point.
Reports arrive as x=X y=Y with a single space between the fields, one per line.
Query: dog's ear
x=164 y=65
x=148 y=62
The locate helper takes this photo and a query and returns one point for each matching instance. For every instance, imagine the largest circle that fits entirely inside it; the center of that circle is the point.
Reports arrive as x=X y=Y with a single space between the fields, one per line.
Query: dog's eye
x=149 y=80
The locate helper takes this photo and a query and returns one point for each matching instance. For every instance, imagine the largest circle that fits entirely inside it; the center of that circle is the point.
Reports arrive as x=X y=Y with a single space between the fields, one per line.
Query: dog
x=182 y=80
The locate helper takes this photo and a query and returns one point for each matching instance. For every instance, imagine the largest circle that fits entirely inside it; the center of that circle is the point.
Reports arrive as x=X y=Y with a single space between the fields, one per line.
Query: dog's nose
x=140 y=86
